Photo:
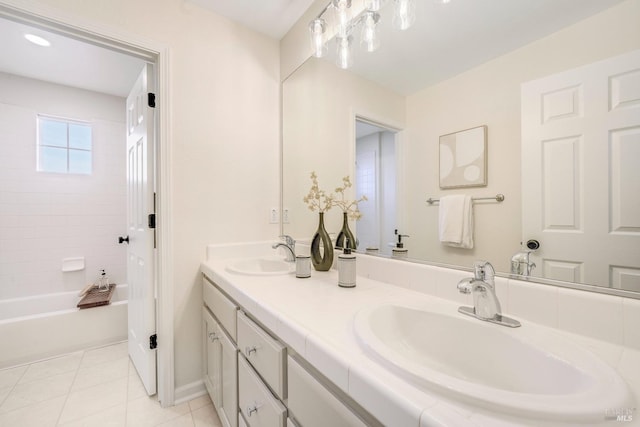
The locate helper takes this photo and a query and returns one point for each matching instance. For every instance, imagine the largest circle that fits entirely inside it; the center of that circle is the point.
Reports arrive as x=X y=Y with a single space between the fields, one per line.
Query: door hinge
x=151 y=100
x=153 y=342
x=152 y=220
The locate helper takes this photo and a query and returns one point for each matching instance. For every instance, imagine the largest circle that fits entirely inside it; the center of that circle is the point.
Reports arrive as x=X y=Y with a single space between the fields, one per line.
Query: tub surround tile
x=631 y=316
x=590 y=314
x=26 y=394
x=534 y=302
x=52 y=367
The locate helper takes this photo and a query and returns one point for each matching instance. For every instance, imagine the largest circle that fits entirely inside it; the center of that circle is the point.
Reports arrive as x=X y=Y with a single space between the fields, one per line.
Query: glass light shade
x=370 y=38
x=404 y=13
x=343 y=16
x=318 y=31
x=344 y=57
x=374 y=5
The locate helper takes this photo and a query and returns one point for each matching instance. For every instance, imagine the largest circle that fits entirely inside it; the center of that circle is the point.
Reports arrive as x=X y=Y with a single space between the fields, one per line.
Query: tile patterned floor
x=70 y=391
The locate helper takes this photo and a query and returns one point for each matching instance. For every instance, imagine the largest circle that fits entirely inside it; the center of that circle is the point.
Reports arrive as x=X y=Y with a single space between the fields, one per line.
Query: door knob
x=121 y=240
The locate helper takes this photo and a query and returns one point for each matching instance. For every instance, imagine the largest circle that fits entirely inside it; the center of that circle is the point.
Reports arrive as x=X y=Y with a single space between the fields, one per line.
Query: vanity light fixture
x=343 y=22
x=37 y=40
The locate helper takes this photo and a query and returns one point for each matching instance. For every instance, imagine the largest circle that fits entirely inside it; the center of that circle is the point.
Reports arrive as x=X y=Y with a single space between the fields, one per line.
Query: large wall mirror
x=416 y=101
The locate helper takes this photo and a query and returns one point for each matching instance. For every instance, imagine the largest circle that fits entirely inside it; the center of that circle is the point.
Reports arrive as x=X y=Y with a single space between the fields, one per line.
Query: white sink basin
x=265 y=266
x=529 y=371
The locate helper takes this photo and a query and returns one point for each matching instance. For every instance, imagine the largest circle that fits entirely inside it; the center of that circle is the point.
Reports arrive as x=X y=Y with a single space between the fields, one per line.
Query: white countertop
x=314 y=317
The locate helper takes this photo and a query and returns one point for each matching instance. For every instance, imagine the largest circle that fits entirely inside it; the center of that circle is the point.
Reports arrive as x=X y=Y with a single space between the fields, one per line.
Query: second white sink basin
x=265 y=266
x=529 y=370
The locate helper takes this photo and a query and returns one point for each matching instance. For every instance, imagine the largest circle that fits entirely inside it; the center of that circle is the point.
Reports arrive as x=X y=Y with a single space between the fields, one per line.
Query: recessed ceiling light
x=37 y=40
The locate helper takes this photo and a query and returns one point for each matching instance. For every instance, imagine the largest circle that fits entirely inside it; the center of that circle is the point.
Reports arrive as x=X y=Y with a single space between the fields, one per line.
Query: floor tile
x=4 y=392
x=136 y=389
x=199 y=402
x=105 y=354
x=51 y=367
x=85 y=402
x=43 y=414
x=10 y=376
x=111 y=417
x=206 y=417
x=88 y=376
x=147 y=411
x=185 y=420
x=26 y=394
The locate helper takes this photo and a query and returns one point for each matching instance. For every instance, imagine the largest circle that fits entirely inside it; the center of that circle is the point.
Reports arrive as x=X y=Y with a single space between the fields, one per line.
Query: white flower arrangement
x=350 y=207
x=319 y=200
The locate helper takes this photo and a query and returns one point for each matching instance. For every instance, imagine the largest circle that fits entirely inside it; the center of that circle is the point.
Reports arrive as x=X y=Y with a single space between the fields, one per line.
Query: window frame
x=67 y=148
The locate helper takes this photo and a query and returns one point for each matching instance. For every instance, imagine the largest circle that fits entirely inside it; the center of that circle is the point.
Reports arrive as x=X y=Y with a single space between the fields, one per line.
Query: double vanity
x=394 y=351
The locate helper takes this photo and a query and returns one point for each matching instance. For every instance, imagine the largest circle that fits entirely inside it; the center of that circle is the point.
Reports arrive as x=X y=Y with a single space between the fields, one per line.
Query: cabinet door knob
x=253 y=409
x=249 y=350
x=213 y=337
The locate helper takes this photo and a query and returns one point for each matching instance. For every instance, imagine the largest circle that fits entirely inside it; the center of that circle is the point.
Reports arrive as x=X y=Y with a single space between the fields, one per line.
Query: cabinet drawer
x=312 y=405
x=257 y=404
x=222 y=307
x=267 y=355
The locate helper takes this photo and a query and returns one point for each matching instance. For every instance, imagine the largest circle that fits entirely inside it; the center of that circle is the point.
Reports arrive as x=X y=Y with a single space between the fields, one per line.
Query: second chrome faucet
x=485 y=301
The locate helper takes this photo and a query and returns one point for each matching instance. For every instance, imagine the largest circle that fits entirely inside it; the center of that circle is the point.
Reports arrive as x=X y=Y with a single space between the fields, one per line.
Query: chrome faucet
x=289 y=244
x=485 y=301
x=520 y=264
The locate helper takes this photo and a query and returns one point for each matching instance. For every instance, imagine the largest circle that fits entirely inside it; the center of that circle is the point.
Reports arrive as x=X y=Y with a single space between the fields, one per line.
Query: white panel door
x=580 y=174
x=140 y=251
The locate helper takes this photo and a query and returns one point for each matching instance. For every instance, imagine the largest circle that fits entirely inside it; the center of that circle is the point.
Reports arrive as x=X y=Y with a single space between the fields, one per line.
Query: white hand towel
x=456 y=221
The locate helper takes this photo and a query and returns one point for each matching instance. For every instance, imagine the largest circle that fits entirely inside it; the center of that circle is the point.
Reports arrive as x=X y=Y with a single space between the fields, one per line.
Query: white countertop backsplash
x=315 y=318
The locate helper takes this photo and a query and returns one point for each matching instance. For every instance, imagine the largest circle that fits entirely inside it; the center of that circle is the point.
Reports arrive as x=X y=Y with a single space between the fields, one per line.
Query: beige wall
x=224 y=83
x=320 y=102
x=490 y=95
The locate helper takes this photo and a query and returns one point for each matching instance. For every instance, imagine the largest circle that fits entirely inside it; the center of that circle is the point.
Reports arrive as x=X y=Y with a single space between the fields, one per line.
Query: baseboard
x=189 y=392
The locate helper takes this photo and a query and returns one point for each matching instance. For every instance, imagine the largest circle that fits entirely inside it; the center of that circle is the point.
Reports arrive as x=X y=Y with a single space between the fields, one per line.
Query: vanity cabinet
x=220 y=360
x=256 y=383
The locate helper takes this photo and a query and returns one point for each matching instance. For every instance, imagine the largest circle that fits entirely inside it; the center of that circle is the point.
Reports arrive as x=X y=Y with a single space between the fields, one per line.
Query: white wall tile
x=594 y=315
x=535 y=302
x=46 y=217
x=631 y=317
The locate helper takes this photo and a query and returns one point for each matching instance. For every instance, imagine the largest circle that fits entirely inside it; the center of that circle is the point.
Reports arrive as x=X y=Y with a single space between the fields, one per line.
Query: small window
x=64 y=146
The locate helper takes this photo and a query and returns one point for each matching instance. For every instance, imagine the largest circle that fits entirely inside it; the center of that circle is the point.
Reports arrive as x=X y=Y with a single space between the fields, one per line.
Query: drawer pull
x=249 y=350
x=213 y=337
x=253 y=409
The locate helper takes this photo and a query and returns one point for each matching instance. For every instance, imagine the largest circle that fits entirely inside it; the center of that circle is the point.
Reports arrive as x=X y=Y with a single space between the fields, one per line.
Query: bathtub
x=35 y=328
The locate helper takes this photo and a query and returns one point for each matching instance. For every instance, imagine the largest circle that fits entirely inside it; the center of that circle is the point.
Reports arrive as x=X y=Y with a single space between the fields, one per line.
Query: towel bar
x=498 y=198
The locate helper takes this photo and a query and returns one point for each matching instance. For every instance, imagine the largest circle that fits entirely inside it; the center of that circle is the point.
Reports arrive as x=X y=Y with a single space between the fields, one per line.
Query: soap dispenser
x=103 y=282
x=399 y=251
x=347 y=267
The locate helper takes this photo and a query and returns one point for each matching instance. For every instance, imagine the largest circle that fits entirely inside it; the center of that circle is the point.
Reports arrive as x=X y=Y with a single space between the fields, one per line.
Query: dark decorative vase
x=345 y=234
x=321 y=257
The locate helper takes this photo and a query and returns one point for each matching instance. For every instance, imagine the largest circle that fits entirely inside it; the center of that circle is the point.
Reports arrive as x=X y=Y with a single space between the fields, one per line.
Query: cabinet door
x=211 y=356
x=228 y=411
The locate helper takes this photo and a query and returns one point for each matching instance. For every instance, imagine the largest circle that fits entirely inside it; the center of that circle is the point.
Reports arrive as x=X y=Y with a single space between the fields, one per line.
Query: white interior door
x=580 y=174
x=140 y=251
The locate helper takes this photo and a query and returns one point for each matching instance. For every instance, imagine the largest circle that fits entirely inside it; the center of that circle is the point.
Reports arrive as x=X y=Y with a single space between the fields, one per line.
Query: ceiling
x=67 y=61
x=271 y=17
x=446 y=40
